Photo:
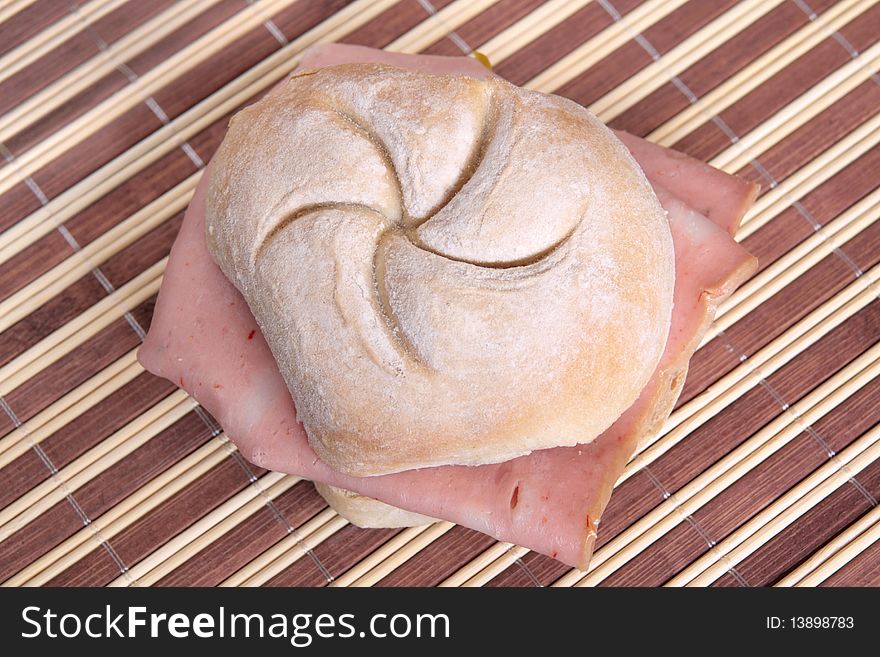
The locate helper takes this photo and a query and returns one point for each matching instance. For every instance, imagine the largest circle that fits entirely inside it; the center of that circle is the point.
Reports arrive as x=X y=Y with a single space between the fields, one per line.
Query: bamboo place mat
x=768 y=471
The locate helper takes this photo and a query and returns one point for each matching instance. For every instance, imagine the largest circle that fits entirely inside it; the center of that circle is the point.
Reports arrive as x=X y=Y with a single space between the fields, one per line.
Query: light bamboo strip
x=82 y=127
x=530 y=27
x=681 y=57
x=14 y=7
x=759 y=71
x=840 y=155
x=796 y=262
x=56 y=94
x=602 y=45
x=116 y=519
x=55 y=35
x=722 y=474
x=823 y=562
x=78 y=330
x=70 y=406
x=216 y=532
x=21 y=303
x=479 y=563
x=172 y=554
x=94 y=461
x=183 y=127
x=437 y=25
x=799 y=111
x=845 y=556
x=129 y=47
x=501 y=564
x=758 y=367
x=378 y=556
x=288 y=550
x=737 y=382
x=751 y=536
x=401 y=555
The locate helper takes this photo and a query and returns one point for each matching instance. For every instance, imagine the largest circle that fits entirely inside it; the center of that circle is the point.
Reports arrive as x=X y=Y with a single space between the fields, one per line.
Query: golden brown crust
x=448 y=270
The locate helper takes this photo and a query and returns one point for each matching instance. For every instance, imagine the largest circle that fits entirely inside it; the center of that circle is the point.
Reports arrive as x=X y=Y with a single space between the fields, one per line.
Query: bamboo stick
x=378 y=556
x=11 y=8
x=494 y=569
x=287 y=551
x=762 y=364
x=750 y=537
x=681 y=57
x=116 y=519
x=208 y=528
x=602 y=45
x=436 y=26
x=93 y=462
x=530 y=27
x=21 y=303
x=845 y=556
x=488 y=557
x=54 y=96
x=759 y=71
x=402 y=555
x=796 y=263
x=70 y=406
x=812 y=175
x=80 y=128
x=54 y=36
x=799 y=111
x=78 y=330
x=824 y=562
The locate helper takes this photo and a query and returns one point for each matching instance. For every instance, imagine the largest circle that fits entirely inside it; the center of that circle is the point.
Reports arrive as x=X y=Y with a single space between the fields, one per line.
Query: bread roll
x=447 y=270
x=366 y=512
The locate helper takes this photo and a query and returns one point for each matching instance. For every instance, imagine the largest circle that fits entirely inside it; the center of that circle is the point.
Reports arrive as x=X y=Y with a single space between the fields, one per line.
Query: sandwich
x=441 y=296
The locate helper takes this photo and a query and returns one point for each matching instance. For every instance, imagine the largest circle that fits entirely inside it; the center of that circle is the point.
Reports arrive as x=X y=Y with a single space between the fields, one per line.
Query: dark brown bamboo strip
x=783 y=87
x=54 y=52
x=486 y=25
x=799 y=540
x=861 y=571
x=215 y=563
x=23 y=19
x=83 y=362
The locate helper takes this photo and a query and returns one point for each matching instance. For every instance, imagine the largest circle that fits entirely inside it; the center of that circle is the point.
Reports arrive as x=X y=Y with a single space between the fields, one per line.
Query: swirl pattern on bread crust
x=447 y=270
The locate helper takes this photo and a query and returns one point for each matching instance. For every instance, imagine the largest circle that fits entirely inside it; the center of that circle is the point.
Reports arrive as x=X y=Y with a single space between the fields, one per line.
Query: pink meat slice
x=721 y=197
x=204 y=338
